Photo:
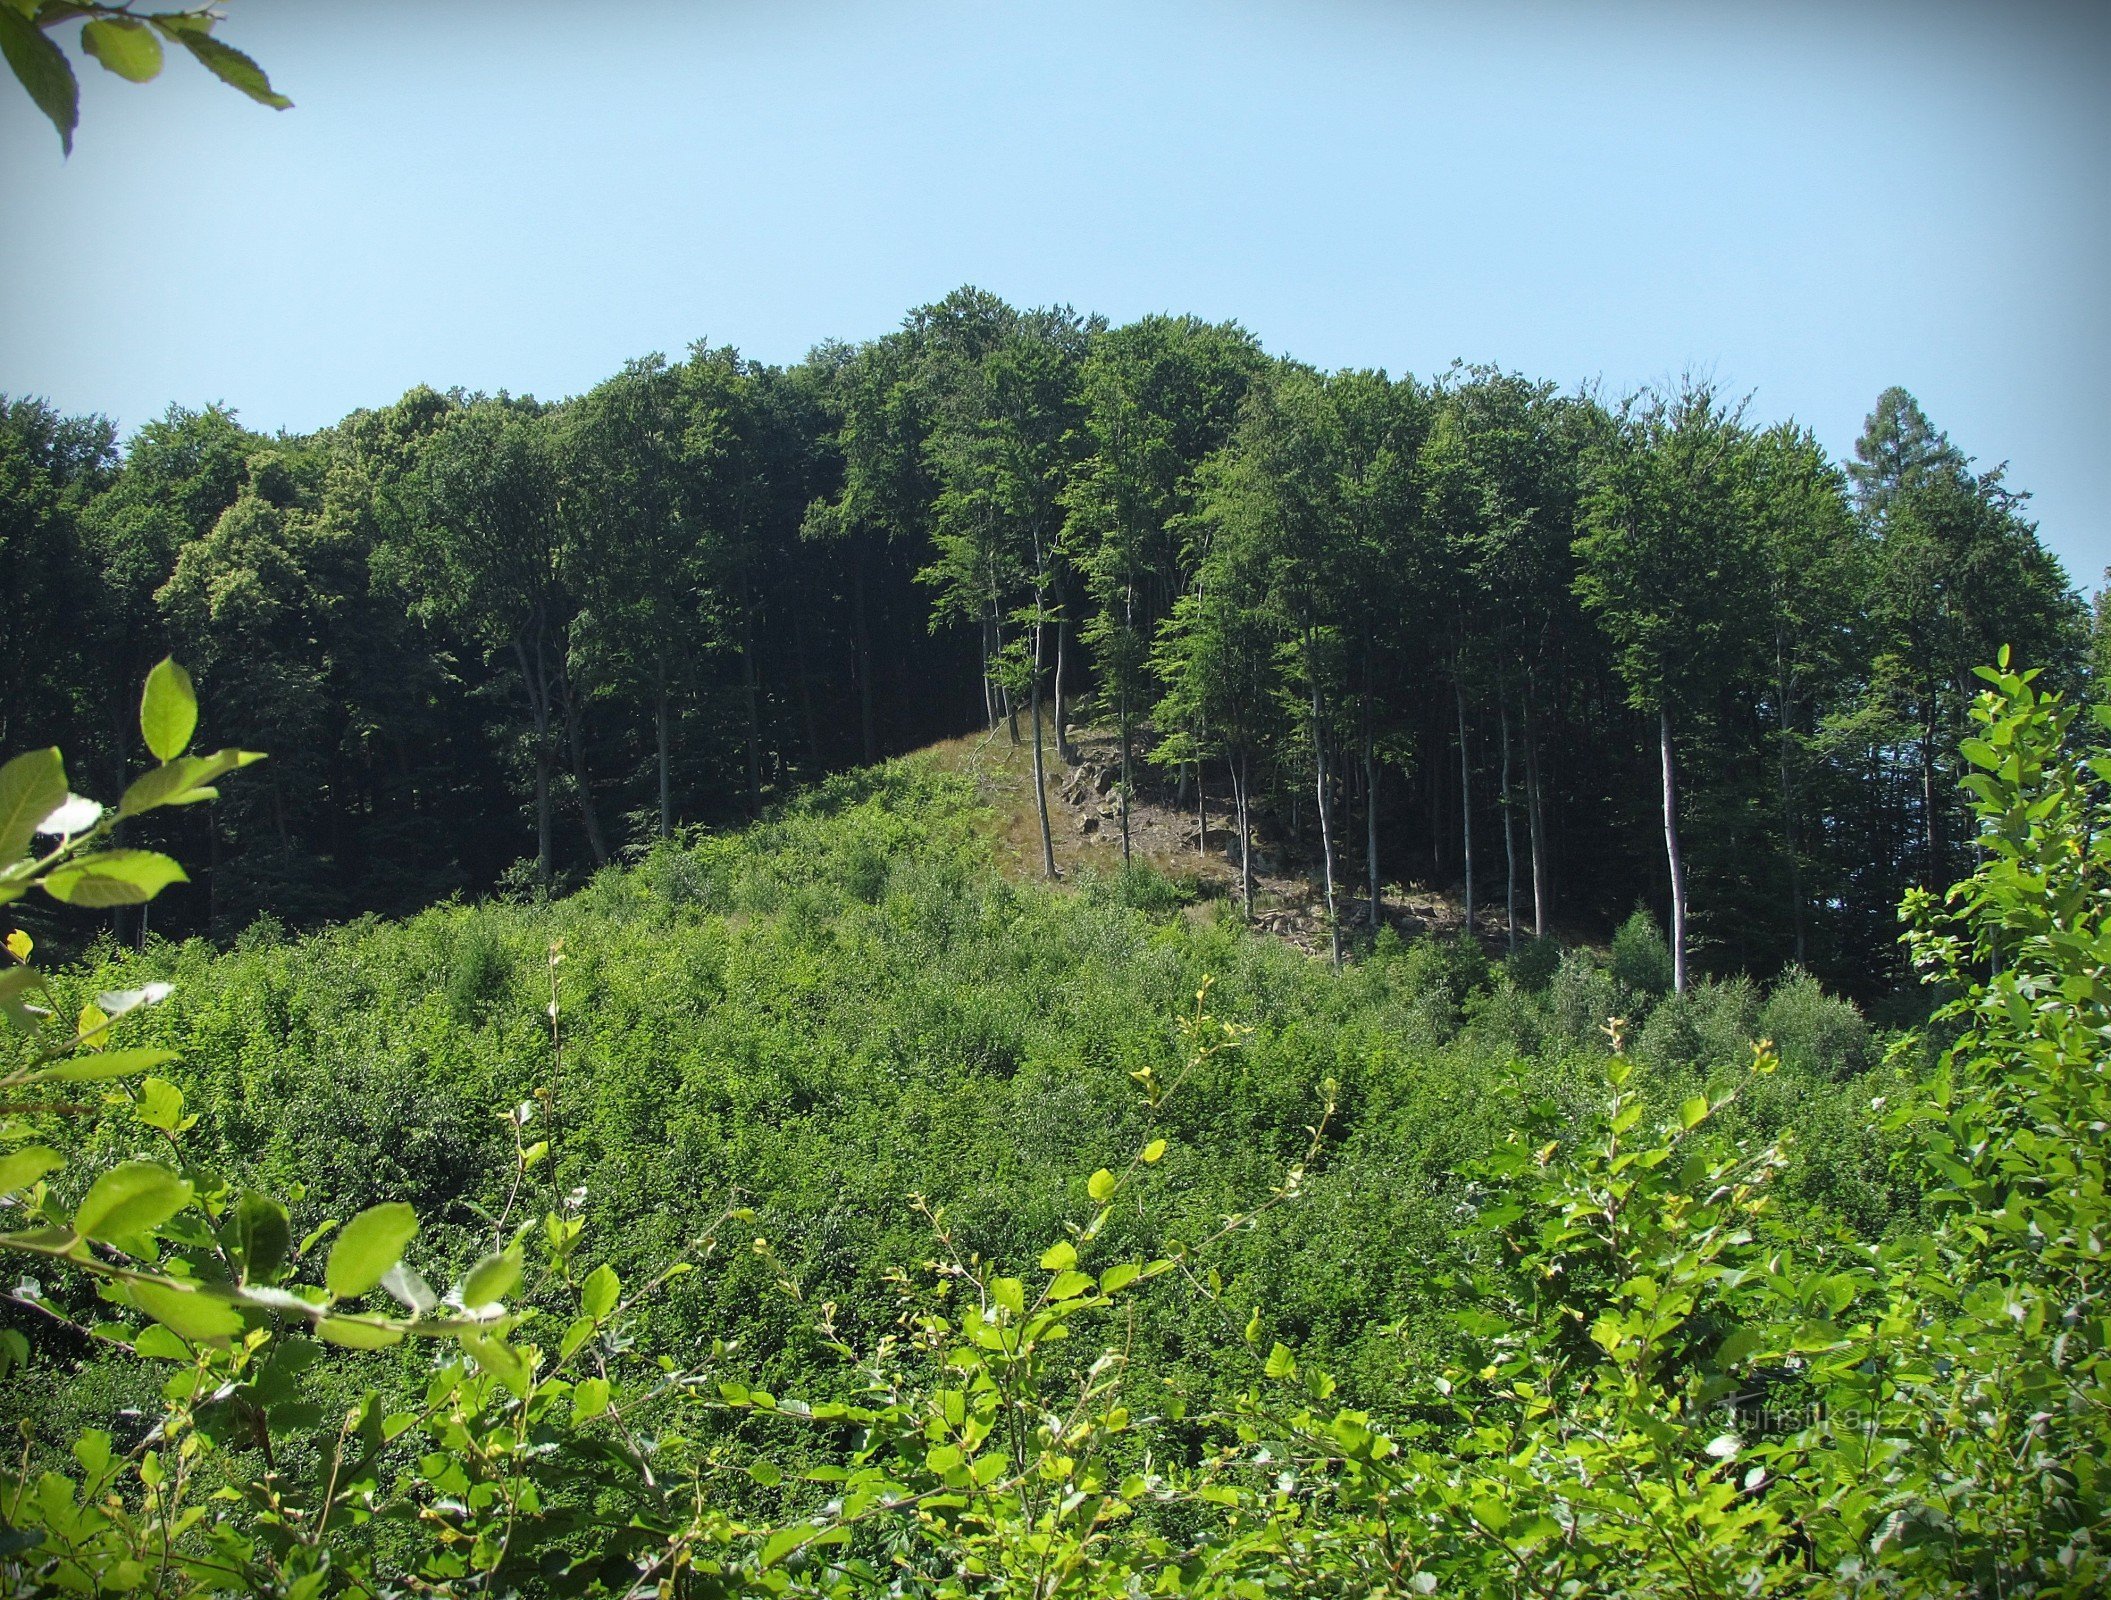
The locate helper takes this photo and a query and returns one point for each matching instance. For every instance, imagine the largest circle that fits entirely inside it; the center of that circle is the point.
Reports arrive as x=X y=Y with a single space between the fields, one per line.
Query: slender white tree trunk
x=1326 y=831
x=1458 y=686
x=1509 y=834
x=1040 y=773
x=1537 y=821
x=1671 y=854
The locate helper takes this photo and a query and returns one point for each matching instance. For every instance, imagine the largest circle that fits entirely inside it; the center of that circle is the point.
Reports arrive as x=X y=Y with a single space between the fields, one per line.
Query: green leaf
x=32 y=787
x=156 y=1343
x=1100 y=1185
x=1153 y=1151
x=589 y=1399
x=1694 y=1112
x=160 y=1105
x=491 y=1279
x=1119 y=1277
x=501 y=1360
x=370 y=1244
x=785 y=1541
x=21 y=1168
x=17 y=984
x=1281 y=1363
x=109 y=1064
x=353 y=1334
x=1059 y=1257
x=125 y=46
x=134 y=1198
x=1069 y=1285
x=184 y=781
x=229 y=65
x=409 y=1287
x=599 y=1294
x=41 y=68
x=189 y=1313
x=168 y=710
x=113 y=878
x=262 y=1235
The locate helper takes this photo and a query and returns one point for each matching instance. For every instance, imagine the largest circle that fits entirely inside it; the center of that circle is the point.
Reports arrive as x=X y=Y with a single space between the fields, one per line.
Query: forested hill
x=1420 y=623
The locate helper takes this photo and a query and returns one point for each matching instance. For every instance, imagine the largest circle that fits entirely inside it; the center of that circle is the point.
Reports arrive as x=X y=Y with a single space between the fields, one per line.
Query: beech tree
x=1668 y=564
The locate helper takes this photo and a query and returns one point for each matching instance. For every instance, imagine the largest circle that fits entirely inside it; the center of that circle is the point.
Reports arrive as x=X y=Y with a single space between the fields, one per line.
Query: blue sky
x=1808 y=202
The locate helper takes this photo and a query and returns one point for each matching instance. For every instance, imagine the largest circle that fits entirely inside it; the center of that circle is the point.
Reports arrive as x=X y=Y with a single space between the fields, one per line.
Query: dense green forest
x=824 y=1213
x=1472 y=631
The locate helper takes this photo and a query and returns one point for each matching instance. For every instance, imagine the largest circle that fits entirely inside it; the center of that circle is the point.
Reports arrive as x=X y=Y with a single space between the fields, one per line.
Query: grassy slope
x=848 y=1006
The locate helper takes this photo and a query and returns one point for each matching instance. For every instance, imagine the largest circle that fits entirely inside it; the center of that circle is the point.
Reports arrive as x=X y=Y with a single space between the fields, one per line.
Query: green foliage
x=1343 y=1295
x=1641 y=961
x=123 y=41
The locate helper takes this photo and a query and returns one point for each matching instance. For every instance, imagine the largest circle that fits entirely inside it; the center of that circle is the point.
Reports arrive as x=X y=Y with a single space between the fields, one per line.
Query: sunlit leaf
x=370 y=1244
x=125 y=46
x=168 y=710
x=32 y=786
x=130 y=1199
x=113 y=878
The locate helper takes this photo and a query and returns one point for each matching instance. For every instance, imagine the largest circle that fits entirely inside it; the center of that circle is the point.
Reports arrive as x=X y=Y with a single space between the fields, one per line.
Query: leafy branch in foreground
x=123 y=39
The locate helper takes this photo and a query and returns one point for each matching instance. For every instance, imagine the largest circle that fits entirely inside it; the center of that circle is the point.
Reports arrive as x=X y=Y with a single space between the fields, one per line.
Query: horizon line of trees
x=1550 y=649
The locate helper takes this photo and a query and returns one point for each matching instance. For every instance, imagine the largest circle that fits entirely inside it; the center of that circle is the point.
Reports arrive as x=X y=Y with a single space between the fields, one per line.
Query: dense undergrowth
x=826 y=1214
x=821 y=1017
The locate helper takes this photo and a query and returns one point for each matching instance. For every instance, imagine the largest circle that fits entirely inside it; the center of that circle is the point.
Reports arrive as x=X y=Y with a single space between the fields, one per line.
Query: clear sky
x=1807 y=201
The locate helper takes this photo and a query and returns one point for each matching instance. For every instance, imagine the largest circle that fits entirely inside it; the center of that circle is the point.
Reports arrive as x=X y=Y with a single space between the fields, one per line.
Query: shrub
x=1583 y=997
x=1813 y=1031
x=1641 y=960
x=1533 y=966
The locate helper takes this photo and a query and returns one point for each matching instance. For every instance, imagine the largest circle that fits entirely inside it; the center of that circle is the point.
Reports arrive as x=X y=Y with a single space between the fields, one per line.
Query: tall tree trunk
x=661 y=736
x=1201 y=807
x=1064 y=748
x=751 y=698
x=1326 y=831
x=1125 y=752
x=575 y=743
x=1788 y=794
x=989 y=672
x=1370 y=815
x=1048 y=864
x=1671 y=854
x=1458 y=687
x=1240 y=786
x=1931 y=824
x=861 y=634
x=1536 y=819
x=1509 y=832
x=535 y=684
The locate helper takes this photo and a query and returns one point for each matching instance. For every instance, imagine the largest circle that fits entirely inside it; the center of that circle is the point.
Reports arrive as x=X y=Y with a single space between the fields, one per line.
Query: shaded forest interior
x=1429 y=628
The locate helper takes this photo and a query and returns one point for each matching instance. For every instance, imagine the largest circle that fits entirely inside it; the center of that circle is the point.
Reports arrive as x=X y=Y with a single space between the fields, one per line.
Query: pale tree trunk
x=662 y=739
x=1788 y=797
x=1671 y=855
x=535 y=683
x=1064 y=749
x=1240 y=784
x=751 y=697
x=1536 y=821
x=1201 y=807
x=1370 y=816
x=1458 y=686
x=1048 y=864
x=989 y=672
x=1326 y=832
x=1931 y=826
x=1509 y=832
x=575 y=742
x=1125 y=755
